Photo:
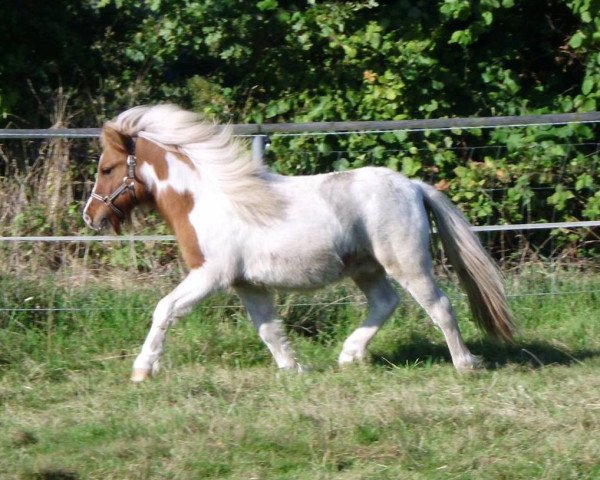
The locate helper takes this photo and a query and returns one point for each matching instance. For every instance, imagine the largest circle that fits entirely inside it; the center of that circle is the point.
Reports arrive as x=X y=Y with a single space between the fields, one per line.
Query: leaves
x=587 y=85
x=273 y=61
x=560 y=197
x=267 y=5
x=577 y=39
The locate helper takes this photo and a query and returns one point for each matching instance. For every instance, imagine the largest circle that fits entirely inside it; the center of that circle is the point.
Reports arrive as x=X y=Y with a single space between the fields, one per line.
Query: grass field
x=220 y=409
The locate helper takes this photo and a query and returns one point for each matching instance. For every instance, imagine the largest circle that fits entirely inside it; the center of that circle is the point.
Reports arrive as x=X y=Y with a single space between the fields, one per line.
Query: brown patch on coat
x=156 y=156
x=151 y=153
x=111 y=137
x=175 y=208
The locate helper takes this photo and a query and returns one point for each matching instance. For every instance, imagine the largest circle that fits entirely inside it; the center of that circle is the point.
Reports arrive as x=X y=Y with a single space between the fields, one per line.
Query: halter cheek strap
x=127 y=185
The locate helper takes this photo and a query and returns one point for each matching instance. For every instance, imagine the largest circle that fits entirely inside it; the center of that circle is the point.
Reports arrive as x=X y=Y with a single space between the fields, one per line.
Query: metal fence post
x=260 y=144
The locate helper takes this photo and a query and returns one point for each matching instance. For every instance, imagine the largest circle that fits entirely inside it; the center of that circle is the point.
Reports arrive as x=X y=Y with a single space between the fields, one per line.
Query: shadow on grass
x=51 y=474
x=420 y=351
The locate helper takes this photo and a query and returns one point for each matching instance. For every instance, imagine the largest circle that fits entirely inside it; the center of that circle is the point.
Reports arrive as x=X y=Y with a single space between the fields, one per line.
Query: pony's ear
x=111 y=137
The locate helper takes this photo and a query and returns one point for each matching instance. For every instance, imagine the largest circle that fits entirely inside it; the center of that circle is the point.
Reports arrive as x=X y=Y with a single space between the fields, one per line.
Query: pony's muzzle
x=98 y=226
x=88 y=220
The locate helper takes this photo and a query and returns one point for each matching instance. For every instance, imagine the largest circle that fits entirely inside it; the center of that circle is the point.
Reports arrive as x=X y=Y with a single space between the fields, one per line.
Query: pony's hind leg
x=382 y=301
x=261 y=310
x=423 y=288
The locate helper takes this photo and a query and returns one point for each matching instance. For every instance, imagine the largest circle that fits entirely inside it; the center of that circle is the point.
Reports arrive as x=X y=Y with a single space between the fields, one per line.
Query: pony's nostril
x=104 y=223
x=87 y=219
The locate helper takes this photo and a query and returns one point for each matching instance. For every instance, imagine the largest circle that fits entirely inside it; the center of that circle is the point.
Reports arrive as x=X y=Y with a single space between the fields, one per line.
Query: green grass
x=220 y=409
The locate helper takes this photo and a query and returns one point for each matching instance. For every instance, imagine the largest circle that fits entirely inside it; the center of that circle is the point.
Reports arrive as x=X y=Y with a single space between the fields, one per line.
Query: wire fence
x=45 y=177
x=336 y=128
x=237 y=306
x=82 y=185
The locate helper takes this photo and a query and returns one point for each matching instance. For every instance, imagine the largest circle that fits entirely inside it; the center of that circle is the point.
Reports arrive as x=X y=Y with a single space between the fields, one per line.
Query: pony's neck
x=243 y=181
x=174 y=204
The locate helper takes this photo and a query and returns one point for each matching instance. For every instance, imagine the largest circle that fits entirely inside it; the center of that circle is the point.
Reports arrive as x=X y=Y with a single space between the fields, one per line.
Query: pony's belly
x=308 y=271
x=283 y=271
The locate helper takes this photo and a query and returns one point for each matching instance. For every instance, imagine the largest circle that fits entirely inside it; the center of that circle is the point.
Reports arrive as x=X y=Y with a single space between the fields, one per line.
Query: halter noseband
x=127 y=185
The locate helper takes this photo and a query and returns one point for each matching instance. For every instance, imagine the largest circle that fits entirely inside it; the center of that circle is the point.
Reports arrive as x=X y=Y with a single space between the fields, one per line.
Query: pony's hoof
x=350 y=358
x=474 y=364
x=303 y=368
x=294 y=370
x=139 y=375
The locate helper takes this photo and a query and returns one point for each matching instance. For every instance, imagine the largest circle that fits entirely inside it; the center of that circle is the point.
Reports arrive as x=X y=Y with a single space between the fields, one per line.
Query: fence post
x=260 y=144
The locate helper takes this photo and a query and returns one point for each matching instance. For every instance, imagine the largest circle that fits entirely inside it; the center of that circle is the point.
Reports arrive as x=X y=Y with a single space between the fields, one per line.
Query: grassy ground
x=219 y=408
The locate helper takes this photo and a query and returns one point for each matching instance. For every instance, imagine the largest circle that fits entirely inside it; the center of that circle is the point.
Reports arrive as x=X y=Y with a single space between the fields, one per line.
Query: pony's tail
x=477 y=272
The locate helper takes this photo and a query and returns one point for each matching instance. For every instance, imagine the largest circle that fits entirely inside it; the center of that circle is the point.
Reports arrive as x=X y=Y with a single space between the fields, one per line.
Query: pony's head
x=117 y=189
x=159 y=130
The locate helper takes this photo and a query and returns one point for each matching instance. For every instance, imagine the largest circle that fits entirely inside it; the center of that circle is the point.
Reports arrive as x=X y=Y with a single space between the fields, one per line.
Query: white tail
x=476 y=271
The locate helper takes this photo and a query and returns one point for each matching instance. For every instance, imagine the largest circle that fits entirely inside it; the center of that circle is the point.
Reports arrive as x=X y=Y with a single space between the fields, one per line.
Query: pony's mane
x=213 y=149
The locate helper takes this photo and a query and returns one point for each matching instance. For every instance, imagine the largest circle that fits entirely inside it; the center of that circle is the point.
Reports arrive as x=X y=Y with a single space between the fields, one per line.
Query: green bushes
x=274 y=61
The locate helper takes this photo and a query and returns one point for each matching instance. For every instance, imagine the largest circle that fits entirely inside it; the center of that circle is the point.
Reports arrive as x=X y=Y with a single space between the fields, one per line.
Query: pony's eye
x=106 y=171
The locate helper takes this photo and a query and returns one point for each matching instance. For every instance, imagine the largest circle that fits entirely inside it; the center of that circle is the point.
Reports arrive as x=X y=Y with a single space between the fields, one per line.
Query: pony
x=241 y=227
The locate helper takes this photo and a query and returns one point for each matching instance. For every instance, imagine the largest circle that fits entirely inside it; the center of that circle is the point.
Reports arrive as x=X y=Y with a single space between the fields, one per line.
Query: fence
x=342 y=138
x=259 y=133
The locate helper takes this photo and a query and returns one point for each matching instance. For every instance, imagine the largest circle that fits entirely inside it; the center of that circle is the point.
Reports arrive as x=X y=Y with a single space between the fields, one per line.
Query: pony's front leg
x=197 y=285
x=261 y=309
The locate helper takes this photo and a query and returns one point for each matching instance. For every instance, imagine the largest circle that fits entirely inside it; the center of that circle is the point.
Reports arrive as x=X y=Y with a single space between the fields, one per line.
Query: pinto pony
x=240 y=226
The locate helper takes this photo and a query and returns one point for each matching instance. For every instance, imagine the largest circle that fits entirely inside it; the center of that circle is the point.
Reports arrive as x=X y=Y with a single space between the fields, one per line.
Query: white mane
x=213 y=149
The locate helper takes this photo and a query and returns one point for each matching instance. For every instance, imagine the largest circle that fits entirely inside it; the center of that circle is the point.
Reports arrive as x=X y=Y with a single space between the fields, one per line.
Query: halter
x=127 y=185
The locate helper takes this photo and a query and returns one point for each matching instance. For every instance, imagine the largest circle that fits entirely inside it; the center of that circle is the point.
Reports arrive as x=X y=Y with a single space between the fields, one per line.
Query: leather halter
x=127 y=185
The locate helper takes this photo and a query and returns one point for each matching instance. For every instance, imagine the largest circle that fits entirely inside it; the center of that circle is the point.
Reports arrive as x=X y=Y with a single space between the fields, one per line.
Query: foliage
x=283 y=60
x=276 y=60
